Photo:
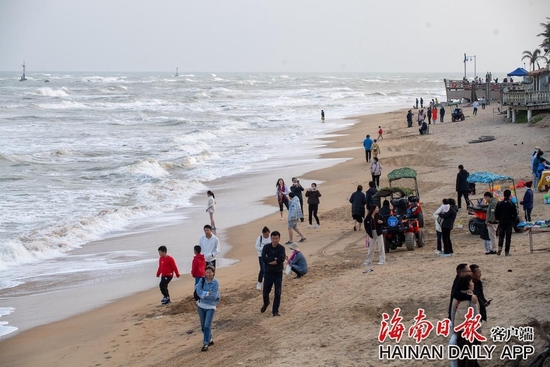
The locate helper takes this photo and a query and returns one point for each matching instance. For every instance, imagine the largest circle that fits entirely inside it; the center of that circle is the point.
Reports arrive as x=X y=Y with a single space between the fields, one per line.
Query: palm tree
x=546 y=36
x=532 y=57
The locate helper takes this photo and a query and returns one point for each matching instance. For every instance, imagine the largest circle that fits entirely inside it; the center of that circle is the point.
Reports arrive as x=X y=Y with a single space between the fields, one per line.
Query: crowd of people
x=467 y=290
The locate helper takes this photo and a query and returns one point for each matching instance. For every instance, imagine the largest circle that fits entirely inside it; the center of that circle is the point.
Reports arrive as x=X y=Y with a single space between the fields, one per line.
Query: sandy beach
x=330 y=317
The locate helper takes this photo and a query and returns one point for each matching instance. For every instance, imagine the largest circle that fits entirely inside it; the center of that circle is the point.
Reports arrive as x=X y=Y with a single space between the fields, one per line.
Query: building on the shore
x=533 y=96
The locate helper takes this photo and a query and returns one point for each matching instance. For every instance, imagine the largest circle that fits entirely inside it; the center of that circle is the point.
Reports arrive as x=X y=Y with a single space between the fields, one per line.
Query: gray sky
x=268 y=35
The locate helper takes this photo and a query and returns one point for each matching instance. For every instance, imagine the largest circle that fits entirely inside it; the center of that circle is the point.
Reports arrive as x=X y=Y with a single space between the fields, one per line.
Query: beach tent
x=518 y=72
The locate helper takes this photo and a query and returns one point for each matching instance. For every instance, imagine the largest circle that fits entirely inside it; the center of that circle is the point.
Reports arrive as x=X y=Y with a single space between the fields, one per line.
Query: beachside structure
x=532 y=96
x=464 y=90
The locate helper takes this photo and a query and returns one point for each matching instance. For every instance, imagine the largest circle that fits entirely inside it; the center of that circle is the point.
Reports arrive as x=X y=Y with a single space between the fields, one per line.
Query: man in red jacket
x=198 y=265
x=167 y=269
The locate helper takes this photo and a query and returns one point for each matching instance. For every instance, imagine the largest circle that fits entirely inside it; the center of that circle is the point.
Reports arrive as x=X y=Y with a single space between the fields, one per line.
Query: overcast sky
x=268 y=35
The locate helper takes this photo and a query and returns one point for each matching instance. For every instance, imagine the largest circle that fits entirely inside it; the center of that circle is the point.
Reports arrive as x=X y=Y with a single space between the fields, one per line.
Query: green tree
x=545 y=35
x=532 y=57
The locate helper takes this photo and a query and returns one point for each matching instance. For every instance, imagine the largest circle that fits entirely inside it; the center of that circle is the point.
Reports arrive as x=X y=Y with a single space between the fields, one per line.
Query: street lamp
x=469 y=58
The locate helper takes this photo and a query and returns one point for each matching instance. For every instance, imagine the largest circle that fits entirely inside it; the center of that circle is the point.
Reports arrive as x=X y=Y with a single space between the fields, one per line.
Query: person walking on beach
x=369 y=195
x=322 y=115
x=491 y=221
x=274 y=257
x=211 y=209
x=506 y=214
x=434 y=114
x=297 y=189
x=358 y=201
x=447 y=226
x=208 y=291
x=380 y=133
x=367 y=144
x=417 y=103
x=475 y=105
x=376 y=171
x=297 y=261
x=375 y=148
x=313 y=195
x=429 y=115
x=210 y=246
x=443 y=208
x=261 y=241
x=166 y=271
x=498 y=107
x=442 y=113
x=410 y=118
x=483 y=103
x=527 y=201
x=294 y=214
x=373 y=227
x=462 y=186
x=421 y=102
x=198 y=265
x=282 y=195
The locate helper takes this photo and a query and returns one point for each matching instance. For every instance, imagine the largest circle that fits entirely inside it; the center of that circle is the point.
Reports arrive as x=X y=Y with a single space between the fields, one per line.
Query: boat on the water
x=23 y=77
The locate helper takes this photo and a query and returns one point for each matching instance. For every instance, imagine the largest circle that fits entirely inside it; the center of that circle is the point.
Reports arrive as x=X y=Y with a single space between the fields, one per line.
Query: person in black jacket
x=369 y=195
x=462 y=186
x=273 y=256
x=358 y=201
x=478 y=291
x=506 y=213
x=462 y=270
x=373 y=227
x=410 y=118
x=447 y=226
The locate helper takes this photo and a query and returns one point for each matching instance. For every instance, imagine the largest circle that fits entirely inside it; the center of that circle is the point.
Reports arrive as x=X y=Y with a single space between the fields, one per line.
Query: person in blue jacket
x=367 y=144
x=527 y=201
x=208 y=291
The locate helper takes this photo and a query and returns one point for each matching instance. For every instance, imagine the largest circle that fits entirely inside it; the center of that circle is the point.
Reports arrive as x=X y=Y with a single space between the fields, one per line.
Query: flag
x=465 y=59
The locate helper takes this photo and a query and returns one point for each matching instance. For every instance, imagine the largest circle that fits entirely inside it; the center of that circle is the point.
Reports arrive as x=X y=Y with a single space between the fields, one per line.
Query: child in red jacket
x=198 y=265
x=167 y=269
x=380 y=132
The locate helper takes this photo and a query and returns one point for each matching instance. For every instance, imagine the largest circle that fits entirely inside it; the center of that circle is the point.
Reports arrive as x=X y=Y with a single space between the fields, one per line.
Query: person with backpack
x=261 y=241
x=506 y=214
x=208 y=291
x=375 y=148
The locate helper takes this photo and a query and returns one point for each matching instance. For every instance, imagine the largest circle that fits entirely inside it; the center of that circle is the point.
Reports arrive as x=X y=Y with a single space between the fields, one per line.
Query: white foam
x=4 y=329
x=46 y=91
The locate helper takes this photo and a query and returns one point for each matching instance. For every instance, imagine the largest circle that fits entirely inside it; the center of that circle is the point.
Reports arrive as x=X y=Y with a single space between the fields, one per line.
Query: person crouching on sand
x=297 y=261
x=208 y=291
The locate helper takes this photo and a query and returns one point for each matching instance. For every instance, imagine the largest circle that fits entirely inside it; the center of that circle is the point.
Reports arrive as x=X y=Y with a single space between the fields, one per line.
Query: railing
x=461 y=84
x=525 y=98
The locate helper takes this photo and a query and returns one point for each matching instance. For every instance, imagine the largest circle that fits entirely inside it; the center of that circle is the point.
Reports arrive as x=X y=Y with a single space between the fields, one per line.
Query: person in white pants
x=373 y=226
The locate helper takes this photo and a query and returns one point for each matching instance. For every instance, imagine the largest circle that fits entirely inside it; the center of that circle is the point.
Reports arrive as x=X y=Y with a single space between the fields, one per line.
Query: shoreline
x=169 y=235
x=334 y=253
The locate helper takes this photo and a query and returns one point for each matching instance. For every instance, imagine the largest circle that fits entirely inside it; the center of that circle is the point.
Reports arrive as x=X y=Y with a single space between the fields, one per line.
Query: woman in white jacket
x=442 y=209
x=261 y=241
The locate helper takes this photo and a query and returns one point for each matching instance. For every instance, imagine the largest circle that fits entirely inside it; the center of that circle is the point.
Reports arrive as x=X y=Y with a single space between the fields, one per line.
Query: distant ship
x=177 y=74
x=23 y=78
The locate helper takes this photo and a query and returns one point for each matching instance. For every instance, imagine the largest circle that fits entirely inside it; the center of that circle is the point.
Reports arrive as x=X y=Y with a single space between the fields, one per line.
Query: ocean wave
x=147 y=167
x=46 y=91
x=62 y=105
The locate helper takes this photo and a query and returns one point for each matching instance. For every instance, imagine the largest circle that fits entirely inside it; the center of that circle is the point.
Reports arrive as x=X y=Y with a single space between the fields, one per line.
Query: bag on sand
x=288 y=270
x=195 y=295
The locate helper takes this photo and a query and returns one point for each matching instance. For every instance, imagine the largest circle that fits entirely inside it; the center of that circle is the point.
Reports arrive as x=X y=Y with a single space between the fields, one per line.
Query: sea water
x=90 y=156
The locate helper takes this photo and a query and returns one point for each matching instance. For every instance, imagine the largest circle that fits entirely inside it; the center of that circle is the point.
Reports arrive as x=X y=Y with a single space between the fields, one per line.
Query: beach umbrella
x=518 y=72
